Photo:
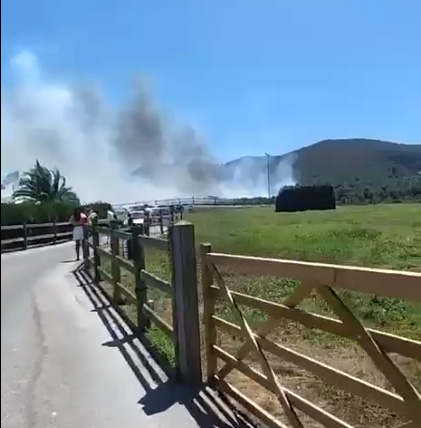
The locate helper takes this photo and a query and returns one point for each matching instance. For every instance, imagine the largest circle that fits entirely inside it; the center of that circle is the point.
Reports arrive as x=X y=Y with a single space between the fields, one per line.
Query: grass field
x=372 y=235
x=387 y=236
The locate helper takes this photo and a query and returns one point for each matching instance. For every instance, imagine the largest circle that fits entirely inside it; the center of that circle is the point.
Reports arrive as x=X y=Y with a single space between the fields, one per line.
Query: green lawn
x=377 y=235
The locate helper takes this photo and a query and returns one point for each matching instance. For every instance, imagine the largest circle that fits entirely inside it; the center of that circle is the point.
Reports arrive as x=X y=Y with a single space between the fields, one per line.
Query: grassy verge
x=157 y=263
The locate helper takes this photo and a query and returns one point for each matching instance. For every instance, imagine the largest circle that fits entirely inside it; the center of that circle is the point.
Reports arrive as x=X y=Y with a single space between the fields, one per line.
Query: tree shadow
x=208 y=408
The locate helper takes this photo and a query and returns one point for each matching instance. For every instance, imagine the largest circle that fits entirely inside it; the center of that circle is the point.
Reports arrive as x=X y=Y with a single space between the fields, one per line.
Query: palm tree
x=44 y=185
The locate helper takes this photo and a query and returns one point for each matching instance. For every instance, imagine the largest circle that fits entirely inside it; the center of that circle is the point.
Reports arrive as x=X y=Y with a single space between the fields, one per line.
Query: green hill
x=368 y=161
x=360 y=169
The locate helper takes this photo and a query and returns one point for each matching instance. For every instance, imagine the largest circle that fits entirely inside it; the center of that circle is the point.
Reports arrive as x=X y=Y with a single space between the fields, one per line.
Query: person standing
x=92 y=217
x=78 y=220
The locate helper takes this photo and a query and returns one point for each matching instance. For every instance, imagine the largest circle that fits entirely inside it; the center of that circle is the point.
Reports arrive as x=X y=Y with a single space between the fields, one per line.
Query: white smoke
x=97 y=149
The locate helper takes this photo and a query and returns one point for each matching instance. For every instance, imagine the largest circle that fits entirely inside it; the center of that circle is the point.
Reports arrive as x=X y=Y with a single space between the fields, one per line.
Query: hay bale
x=302 y=198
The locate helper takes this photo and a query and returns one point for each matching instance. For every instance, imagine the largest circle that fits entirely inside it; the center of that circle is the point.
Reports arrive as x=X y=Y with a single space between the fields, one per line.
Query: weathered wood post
x=25 y=236
x=161 y=221
x=97 y=257
x=140 y=285
x=172 y=214
x=85 y=246
x=147 y=224
x=185 y=303
x=54 y=232
x=115 y=267
x=208 y=312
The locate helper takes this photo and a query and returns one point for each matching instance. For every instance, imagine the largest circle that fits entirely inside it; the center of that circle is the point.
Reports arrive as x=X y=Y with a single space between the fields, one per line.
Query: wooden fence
x=324 y=280
x=24 y=235
x=180 y=245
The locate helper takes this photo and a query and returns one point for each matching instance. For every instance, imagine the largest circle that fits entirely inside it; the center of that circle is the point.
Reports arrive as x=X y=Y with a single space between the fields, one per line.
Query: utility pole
x=268 y=171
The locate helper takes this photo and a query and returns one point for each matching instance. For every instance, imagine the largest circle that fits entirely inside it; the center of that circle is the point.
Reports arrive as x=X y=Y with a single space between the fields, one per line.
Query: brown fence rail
x=24 y=235
x=183 y=288
x=323 y=280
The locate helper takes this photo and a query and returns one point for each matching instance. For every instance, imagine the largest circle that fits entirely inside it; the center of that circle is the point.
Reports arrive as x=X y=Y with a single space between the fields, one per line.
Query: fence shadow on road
x=204 y=405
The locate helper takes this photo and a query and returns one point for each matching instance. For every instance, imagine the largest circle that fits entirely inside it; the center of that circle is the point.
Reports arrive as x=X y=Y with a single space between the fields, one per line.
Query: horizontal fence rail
x=324 y=280
x=25 y=235
x=192 y=201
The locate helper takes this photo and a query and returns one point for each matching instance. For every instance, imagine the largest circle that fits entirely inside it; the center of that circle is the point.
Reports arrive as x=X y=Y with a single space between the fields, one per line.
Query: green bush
x=32 y=212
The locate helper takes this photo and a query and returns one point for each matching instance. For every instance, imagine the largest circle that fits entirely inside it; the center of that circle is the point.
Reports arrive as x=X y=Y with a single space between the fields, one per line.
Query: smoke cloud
x=133 y=154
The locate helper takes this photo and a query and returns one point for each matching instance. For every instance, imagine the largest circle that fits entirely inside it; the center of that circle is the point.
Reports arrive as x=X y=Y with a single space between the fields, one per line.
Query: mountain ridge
x=338 y=161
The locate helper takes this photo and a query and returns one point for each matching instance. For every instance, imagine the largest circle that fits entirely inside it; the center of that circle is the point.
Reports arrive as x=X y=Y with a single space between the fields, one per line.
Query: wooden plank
x=126 y=264
x=104 y=231
x=63 y=234
x=389 y=342
x=39 y=225
x=127 y=293
x=329 y=374
x=325 y=418
x=158 y=321
x=156 y=243
x=267 y=369
x=374 y=281
x=104 y=253
x=97 y=258
x=12 y=227
x=397 y=379
x=105 y=275
x=115 y=264
x=25 y=237
x=248 y=404
x=185 y=303
x=154 y=281
x=208 y=312
x=11 y=241
x=121 y=235
x=141 y=289
x=36 y=237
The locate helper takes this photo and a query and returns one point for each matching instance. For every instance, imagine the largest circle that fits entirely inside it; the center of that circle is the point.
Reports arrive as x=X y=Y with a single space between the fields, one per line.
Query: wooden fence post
x=140 y=285
x=54 y=232
x=208 y=312
x=97 y=257
x=172 y=214
x=115 y=267
x=25 y=236
x=185 y=303
x=161 y=221
x=85 y=247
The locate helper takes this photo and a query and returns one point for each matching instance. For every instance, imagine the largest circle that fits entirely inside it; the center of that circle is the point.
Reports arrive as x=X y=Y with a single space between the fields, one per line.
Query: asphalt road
x=67 y=360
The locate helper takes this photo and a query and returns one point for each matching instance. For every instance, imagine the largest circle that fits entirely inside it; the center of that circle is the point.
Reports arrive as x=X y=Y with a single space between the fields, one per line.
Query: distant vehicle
x=138 y=217
x=122 y=215
x=165 y=209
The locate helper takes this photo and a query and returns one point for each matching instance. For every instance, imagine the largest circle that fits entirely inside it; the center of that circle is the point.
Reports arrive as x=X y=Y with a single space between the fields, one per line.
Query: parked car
x=122 y=216
x=138 y=217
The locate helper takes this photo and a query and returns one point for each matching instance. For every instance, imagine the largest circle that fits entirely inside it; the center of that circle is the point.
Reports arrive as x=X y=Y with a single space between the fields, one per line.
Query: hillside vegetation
x=361 y=170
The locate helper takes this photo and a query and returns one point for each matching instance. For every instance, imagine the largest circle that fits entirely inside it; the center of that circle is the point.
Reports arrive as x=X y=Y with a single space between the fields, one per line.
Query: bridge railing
x=324 y=281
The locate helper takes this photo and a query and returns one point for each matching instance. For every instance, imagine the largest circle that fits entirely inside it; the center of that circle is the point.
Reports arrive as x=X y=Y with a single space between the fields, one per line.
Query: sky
x=250 y=76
